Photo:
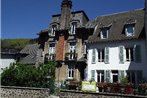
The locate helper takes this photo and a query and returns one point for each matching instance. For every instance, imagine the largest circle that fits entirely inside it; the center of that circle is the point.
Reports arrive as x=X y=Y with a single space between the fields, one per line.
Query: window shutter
x=121 y=54
x=106 y=55
x=93 y=56
x=93 y=74
x=107 y=75
x=121 y=74
x=137 y=53
x=69 y=30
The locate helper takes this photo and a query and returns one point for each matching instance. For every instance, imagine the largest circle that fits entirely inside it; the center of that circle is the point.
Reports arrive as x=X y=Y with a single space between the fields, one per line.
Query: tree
x=30 y=76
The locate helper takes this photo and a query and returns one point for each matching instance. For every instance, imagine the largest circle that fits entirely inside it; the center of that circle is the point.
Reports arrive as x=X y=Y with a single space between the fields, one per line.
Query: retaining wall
x=23 y=92
x=78 y=94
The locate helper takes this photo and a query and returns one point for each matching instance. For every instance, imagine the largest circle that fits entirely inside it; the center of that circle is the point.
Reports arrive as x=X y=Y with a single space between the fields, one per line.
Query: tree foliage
x=16 y=43
x=29 y=76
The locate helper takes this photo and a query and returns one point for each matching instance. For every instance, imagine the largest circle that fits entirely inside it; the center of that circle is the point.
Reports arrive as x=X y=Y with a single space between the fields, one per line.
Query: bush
x=30 y=76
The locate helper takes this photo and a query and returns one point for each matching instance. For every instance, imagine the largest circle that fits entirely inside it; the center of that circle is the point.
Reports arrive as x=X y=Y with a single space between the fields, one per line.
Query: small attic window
x=104 y=33
x=72 y=29
x=130 y=30
x=53 y=29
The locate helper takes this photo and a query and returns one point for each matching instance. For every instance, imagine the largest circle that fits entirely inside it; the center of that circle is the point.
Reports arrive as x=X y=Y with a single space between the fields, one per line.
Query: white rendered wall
x=114 y=58
x=6 y=63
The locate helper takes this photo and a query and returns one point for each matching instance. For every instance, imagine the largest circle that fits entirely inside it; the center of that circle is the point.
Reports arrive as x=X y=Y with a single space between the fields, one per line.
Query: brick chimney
x=64 y=23
x=65 y=13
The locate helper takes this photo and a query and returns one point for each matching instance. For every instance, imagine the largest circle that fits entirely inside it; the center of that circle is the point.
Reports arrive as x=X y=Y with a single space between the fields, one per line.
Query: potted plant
x=123 y=83
x=129 y=88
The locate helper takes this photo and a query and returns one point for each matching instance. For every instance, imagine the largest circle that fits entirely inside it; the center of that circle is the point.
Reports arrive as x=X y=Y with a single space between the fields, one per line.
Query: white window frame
x=100 y=74
x=101 y=33
x=101 y=53
x=72 y=47
x=51 y=51
x=128 y=34
x=129 y=53
x=53 y=30
x=72 y=50
x=73 y=28
x=71 y=71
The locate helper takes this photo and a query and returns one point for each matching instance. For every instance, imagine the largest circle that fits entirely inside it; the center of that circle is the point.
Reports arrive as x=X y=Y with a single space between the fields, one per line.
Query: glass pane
x=130 y=29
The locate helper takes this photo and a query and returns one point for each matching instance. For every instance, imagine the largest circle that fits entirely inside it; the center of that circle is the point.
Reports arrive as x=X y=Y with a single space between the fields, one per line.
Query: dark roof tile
x=117 y=23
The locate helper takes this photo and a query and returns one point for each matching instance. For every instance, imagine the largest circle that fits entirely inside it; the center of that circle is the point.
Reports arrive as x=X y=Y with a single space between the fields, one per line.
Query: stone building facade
x=64 y=42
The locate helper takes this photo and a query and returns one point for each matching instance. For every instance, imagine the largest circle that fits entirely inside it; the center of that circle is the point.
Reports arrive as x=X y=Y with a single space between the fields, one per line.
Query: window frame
x=129 y=34
x=101 y=55
x=53 y=29
x=70 y=69
x=130 y=54
x=104 y=30
x=73 y=27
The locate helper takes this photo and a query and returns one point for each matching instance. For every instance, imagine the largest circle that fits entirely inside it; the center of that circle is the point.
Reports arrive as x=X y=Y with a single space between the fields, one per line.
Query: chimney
x=65 y=13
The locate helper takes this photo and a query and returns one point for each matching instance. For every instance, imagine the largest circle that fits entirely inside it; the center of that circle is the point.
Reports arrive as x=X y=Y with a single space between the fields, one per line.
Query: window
x=129 y=54
x=72 y=47
x=93 y=56
x=73 y=28
x=92 y=74
x=70 y=71
x=134 y=76
x=101 y=55
x=72 y=50
x=100 y=76
x=129 y=30
x=104 y=33
x=54 y=28
x=51 y=51
x=114 y=76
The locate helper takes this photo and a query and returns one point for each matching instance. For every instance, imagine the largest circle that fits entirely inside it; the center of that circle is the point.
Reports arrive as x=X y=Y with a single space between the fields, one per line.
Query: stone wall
x=23 y=92
x=79 y=94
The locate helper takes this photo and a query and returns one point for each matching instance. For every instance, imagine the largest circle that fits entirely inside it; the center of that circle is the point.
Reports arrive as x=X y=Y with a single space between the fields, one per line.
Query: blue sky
x=25 y=18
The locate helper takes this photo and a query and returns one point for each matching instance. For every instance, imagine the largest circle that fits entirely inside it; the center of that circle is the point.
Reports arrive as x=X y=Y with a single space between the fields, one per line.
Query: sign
x=89 y=86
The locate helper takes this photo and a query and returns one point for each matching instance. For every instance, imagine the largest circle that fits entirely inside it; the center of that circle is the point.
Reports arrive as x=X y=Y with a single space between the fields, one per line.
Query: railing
x=71 y=56
x=50 y=57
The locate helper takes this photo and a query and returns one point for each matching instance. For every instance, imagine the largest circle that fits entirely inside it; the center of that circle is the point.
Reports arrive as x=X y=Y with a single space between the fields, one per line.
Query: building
x=8 y=56
x=117 y=47
x=64 y=42
x=104 y=49
x=31 y=54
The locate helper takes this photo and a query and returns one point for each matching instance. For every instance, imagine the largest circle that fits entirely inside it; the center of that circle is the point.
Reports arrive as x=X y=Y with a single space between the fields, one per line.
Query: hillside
x=16 y=43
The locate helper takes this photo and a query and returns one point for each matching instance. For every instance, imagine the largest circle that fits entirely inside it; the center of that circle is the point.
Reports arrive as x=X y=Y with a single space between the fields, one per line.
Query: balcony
x=71 y=56
x=50 y=57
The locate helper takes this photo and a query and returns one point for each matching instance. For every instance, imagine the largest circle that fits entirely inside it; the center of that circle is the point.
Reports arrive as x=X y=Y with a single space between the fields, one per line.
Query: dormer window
x=129 y=30
x=53 y=29
x=104 y=33
x=73 y=28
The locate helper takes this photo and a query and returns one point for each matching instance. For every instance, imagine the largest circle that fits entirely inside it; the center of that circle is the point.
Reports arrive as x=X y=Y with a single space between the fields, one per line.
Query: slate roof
x=9 y=50
x=31 y=52
x=116 y=23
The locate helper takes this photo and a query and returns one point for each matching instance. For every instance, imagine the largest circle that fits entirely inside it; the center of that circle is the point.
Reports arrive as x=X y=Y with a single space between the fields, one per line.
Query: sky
x=26 y=18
